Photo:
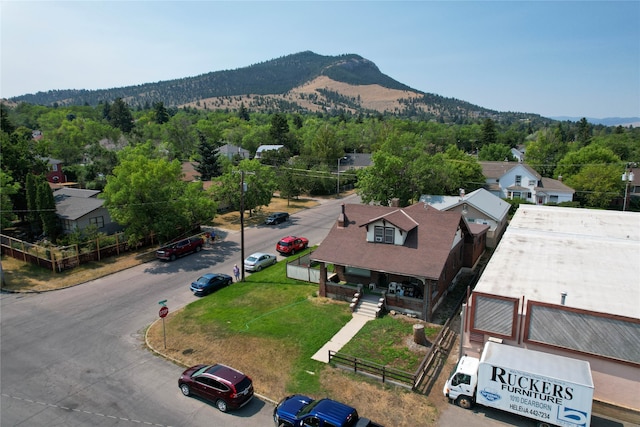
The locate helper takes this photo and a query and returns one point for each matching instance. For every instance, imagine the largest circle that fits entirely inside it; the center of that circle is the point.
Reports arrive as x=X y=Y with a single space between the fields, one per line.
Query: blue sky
x=572 y=58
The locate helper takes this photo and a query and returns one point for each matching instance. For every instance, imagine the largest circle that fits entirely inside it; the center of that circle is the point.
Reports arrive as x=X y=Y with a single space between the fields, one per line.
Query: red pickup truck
x=290 y=244
x=178 y=249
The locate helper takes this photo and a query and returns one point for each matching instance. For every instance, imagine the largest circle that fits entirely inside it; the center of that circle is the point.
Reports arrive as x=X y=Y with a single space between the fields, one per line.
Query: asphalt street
x=76 y=357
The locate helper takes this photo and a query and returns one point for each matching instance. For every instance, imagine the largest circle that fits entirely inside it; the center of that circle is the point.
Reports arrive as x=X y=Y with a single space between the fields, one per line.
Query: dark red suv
x=226 y=387
x=291 y=244
x=178 y=249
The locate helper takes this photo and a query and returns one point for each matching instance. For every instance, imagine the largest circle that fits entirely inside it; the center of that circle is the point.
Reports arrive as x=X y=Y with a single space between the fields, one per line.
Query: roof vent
x=563 y=297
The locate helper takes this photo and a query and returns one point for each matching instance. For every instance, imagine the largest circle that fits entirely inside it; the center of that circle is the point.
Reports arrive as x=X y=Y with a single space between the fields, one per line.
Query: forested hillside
x=276 y=86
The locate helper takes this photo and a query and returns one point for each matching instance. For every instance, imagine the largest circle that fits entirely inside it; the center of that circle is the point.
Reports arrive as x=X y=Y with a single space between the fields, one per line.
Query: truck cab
x=461 y=385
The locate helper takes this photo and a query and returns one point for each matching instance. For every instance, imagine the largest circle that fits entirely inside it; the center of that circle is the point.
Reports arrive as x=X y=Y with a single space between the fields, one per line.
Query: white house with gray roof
x=509 y=180
x=565 y=281
x=477 y=207
x=77 y=209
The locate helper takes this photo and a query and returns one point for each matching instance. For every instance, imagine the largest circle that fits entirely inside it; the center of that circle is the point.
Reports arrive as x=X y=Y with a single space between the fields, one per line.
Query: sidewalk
x=343 y=336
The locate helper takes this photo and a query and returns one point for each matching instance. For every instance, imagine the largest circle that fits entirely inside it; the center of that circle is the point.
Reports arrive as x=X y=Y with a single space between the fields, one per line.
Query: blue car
x=209 y=283
x=300 y=410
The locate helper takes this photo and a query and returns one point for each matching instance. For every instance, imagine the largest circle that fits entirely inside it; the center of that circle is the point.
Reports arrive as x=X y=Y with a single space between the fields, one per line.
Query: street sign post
x=164 y=310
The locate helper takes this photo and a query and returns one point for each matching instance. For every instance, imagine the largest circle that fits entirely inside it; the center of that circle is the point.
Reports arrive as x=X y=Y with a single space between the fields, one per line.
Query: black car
x=277 y=218
x=209 y=283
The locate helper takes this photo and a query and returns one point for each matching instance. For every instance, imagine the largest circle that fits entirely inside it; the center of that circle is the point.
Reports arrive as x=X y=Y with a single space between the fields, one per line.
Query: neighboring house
x=565 y=281
x=261 y=149
x=479 y=207
x=510 y=180
x=353 y=161
x=411 y=254
x=54 y=174
x=517 y=154
x=230 y=151
x=77 y=209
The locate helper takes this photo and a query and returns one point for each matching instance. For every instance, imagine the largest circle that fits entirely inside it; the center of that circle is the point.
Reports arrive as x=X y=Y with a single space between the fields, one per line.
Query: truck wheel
x=543 y=424
x=464 y=402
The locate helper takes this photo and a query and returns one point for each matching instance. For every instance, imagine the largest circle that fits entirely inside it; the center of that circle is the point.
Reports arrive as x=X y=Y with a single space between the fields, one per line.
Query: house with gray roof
x=509 y=180
x=477 y=207
x=261 y=149
x=565 y=281
x=411 y=256
x=77 y=209
x=230 y=151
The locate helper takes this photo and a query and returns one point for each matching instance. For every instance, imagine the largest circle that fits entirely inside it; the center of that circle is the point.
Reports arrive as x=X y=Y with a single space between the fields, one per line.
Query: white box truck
x=554 y=390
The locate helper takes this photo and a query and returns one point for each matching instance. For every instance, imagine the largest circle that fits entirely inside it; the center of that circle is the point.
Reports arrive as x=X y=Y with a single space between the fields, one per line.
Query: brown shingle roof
x=424 y=253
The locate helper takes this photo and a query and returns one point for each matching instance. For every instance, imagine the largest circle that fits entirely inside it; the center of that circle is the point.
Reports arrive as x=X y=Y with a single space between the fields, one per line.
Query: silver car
x=258 y=261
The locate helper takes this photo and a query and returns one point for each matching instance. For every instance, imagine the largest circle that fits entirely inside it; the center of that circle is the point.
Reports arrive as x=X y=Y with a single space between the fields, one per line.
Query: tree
x=243 y=113
x=279 y=130
x=489 y=133
x=161 y=115
x=584 y=132
x=259 y=182
x=544 y=153
x=387 y=179
x=146 y=195
x=47 y=210
x=119 y=115
x=496 y=152
x=208 y=165
x=7 y=188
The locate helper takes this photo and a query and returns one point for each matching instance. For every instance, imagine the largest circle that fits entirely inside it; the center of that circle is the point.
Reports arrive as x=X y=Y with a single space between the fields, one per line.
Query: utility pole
x=242 y=223
x=626 y=176
x=338 y=187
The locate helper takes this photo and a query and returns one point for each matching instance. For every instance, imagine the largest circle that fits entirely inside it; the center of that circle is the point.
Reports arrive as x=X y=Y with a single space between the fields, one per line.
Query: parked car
x=226 y=387
x=209 y=283
x=299 y=410
x=277 y=218
x=258 y=261
x=178 y=249
x=291 y=244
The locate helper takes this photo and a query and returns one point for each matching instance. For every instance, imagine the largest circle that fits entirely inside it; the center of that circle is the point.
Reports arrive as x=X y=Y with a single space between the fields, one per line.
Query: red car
x=178 y=249
x=226 y=387
x=291 y=244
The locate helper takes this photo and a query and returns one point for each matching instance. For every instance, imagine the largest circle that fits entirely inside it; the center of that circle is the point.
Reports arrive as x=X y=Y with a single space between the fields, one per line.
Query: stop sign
x=164 y=311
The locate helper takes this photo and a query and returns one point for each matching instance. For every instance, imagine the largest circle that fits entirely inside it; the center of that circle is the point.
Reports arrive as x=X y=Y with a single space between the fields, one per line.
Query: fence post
x=98 y=246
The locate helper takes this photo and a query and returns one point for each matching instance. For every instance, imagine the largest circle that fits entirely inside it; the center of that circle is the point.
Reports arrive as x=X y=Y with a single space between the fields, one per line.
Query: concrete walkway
x=343 y=336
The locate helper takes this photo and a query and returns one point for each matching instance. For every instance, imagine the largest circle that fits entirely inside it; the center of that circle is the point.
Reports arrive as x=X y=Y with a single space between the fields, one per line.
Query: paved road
x=75 y=357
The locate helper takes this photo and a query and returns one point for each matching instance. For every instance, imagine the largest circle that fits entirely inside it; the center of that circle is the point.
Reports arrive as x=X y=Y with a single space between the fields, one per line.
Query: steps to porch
x=368 y=306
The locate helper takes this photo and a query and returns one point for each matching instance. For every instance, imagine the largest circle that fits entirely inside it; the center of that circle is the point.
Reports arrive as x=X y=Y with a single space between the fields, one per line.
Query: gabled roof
x=498 y=169
x=75 y=192
x=553 y=185
x=74 y=208
x=482 y=200
x=230 y=149
x=398 y=217
x=424 y=253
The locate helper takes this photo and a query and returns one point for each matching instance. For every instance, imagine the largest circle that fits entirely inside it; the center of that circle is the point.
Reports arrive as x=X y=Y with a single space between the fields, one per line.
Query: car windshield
x=307 y=408
x=284 y=243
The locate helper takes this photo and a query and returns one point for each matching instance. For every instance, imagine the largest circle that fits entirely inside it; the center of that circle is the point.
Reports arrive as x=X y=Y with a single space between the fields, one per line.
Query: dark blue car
x=299 y=410
x=209 y=283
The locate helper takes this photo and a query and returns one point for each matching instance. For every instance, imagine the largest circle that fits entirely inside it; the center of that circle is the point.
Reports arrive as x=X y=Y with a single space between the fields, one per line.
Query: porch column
x=323 y=280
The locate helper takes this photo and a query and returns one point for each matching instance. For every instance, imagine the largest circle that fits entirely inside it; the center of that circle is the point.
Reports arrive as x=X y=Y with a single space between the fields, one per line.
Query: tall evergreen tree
x=209 y=162
x=489 y=133
x=161 y=115
x=47 y=210
x=120 y=116
x=243 y=113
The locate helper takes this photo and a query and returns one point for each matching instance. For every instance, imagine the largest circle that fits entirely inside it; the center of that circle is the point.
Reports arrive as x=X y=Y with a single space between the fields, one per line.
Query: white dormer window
x=518 y=179
x=384 y=234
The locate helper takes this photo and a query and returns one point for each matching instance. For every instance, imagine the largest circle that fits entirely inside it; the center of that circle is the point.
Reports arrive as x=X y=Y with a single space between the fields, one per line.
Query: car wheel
x=185 y=389
x=293 y=251
x=464 y=402
x=172 y=257
x=221 y=405
x=198 y=248
x=258 y=268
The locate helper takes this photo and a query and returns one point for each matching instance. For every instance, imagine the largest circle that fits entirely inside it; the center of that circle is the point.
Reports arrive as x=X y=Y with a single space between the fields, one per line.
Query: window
x=553 y=199
x=54 y=167
x=97 y=221
x=532 y=182
x=518 y=179
x=311 y=422
x=528 y=195
x=384 y=234
x=461 y=378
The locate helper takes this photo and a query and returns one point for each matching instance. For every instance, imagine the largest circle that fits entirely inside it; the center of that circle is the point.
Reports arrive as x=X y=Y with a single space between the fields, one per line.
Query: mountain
x=608 y=121
x=304 y=82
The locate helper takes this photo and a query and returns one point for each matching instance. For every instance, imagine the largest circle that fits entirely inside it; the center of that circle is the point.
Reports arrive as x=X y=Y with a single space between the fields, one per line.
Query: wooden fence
x=60 y=258
x=383 y=372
